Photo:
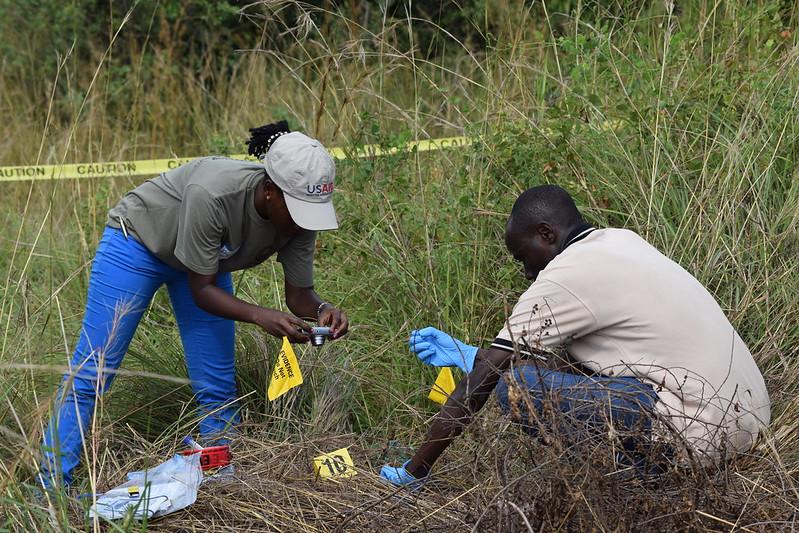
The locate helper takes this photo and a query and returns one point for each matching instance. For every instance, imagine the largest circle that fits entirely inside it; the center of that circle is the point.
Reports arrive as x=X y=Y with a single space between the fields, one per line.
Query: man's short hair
x=545 y=203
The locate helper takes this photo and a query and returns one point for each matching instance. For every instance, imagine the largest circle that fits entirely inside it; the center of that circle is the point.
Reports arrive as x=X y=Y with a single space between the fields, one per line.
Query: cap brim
x=312 y=215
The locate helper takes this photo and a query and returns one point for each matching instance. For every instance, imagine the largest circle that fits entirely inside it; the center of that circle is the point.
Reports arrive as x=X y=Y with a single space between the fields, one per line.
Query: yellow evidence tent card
x=286 y=374
x=337 y=464
x=443 y=387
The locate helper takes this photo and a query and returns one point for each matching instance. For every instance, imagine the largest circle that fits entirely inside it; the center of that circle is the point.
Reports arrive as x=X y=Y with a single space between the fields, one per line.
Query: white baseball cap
x=306 y=174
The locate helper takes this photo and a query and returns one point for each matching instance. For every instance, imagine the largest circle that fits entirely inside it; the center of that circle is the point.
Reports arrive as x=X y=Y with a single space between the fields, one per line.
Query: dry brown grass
x=496 y=479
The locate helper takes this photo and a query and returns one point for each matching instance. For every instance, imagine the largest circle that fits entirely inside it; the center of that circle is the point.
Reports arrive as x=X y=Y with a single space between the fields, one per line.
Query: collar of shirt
x=577 y=234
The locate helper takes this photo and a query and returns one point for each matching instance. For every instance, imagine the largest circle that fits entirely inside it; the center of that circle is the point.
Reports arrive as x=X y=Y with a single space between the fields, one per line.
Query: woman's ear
x=270 y=190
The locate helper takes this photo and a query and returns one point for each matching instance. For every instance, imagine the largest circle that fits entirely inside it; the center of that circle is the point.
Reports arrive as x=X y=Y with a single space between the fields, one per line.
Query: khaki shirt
x=201 y=217
x=622 y=308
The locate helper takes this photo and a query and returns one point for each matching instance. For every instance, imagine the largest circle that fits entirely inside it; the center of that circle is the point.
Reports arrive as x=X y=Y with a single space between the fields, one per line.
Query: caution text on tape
x=143 y=167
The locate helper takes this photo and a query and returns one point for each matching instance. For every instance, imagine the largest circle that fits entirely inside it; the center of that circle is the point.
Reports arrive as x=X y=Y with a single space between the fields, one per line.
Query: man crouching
x=652 y=341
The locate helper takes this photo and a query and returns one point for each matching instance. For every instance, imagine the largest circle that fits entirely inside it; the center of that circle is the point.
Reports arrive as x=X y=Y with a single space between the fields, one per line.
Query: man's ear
x=546 y=233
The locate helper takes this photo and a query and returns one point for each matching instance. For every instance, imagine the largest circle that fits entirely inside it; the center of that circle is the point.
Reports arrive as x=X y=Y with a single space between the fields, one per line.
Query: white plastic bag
x=167 y=488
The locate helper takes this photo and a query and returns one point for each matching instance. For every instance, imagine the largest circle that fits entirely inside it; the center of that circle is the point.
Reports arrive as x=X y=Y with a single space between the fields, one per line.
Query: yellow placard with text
x=443 y=387
x=337 y=464
x=286 y=374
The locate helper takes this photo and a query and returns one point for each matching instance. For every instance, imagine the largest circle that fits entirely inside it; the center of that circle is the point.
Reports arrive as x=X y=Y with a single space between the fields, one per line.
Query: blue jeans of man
x=581 y=404
x=125 y=275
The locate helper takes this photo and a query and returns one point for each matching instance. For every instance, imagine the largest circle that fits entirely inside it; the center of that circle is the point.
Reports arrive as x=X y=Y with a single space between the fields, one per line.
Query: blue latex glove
x=399 y=476
x=436 y=348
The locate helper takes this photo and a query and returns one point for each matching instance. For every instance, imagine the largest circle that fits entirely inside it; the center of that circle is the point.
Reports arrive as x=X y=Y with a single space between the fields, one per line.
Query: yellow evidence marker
x=337 y=464
x=286 y=374
x=443 y=387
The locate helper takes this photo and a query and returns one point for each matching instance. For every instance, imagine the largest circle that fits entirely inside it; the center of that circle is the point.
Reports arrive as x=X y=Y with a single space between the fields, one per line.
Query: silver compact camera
x=319 y=335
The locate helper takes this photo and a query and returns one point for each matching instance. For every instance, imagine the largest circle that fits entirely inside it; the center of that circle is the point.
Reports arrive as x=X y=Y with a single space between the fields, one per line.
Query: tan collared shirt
x=622 y=308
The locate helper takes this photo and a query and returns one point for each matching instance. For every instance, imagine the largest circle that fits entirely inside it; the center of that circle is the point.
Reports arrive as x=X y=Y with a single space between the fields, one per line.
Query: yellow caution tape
x=443 y=387
x=153 y=167
x=337 y=464
x=286 y=374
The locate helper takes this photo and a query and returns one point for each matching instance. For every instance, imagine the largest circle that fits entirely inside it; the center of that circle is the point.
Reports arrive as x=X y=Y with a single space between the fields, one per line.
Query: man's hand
x=335 y=319
x=468 y=397
x=436 y=348
x=399 y=476
x=282 y=324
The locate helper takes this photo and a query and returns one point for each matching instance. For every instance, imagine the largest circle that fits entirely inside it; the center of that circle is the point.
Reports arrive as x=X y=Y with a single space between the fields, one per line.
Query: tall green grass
x=676 y=123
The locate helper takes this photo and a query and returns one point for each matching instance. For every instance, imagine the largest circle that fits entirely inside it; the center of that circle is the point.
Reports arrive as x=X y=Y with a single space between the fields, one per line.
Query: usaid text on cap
x=320 y=188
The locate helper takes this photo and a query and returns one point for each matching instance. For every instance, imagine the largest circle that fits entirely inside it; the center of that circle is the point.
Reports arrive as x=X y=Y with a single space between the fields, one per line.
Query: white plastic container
x=167 y=488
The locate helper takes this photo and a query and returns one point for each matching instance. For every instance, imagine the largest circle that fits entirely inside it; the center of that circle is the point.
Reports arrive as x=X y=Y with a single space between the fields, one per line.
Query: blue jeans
x=125 y=276
x=584 y=403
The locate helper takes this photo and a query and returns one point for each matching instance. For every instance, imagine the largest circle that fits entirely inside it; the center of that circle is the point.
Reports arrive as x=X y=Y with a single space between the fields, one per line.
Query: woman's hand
x=335 y=319
x=282 y=324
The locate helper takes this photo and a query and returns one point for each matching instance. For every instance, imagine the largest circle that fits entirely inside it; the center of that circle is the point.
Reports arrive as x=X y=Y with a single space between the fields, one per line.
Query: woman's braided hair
x=262 y=137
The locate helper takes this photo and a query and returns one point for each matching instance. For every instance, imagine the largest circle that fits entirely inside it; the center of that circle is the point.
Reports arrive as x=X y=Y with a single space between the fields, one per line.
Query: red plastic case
x=212 y=457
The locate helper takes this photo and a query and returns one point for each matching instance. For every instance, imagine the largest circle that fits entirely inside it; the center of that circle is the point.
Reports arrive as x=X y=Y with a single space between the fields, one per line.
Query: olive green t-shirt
x=201 y=217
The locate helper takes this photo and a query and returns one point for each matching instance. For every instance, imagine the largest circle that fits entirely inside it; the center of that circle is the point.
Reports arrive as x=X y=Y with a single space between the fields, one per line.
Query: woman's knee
x=215 y=392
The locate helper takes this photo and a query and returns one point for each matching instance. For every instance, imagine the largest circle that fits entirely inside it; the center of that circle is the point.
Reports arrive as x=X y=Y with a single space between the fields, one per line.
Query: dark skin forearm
x=468 y=398
x=302 y=301
x=216 y=301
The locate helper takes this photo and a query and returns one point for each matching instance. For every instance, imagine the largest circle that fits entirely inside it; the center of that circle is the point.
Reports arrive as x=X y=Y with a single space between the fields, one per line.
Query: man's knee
x=525 y=378
x=502 y=394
